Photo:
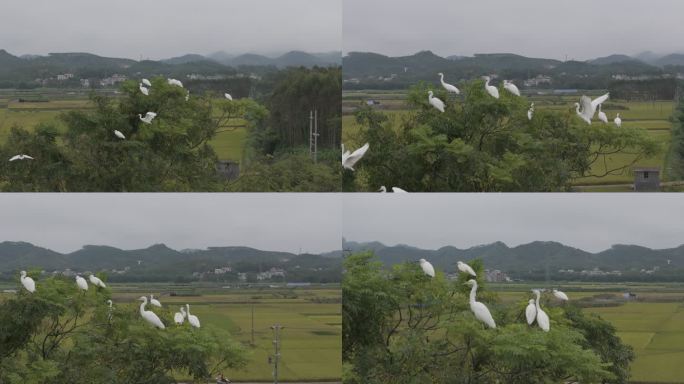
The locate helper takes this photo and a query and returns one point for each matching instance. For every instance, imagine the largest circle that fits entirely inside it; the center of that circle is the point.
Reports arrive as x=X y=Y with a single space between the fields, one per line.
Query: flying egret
x=350 y=159
x=589 y=107
x=447 y=86
x=602 y=115
x=82 y=283
x=179 y=317
x=144 y=90
x=27 y=282
x=530 y=312
x=435 y=102
x=94 y=280
x=20 y=157
x=465 y=268
x=120 y=135
x=150 y=316
x=228 y=96
x=530 y=112
x=427 y=267
x=480 y=310
x=542 y=317
x=192 y=319
x=148 y=117
x=154 y=301
x=175 y=82
x=510 y=87
x=146 y=82
x=560 y=295
x=492 y=90
x=618 y=121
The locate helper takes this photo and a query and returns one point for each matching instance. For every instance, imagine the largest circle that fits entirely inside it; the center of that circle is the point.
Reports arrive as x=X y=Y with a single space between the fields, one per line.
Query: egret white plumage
x=530 y=112
x=120 y=135
x=94 y=280
x=542 y=317
x=618 y=121
x=447 y=86
x=81 y=283
x=602 y=115
x=350 y=159
x=146 y=82
x=109 y=310
x=465 y=268
x=492 y=90
x=530 y=312
x=175 y=82
x=427 y=267
x=187 y=96
x=148 y=117
x=144 y=90
x=150 y=316
x=154 y=301
x=510 y=87
x=589 y=107
x=228 y=96
x=179 y=317
x=383 y=189
x=435 y=102
x=27 y=282
x=480 y=310
x=560 y=295
x=20 y=157
x=192 y=319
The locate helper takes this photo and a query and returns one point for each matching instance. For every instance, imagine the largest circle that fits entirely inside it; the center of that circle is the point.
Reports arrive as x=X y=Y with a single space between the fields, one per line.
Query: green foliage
x=401 y=326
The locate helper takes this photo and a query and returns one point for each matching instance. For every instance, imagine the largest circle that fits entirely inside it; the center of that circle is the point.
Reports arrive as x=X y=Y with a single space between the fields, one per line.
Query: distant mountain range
x=538 y=255
x=289 y=59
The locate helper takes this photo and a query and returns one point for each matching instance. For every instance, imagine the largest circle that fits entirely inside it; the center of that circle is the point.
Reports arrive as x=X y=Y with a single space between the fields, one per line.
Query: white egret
x=109 y=310
x=144 y=90
x=465 y=268
x=350 y=159
x=20 y=157
x=94 y=280
x=175 y=82
x=530 y=312
x=228 y=96
x=192 y=319
x=150 y=316
x=589 y=107
x=148 y=117
x=146 y=82
x=447 y=86
x=602 y=115
x=398 y=190
x=427 y=267
x=81 y=283
x=510 y=87
x=154 y=301
x=120 y=135
x=530 y=112
x=187 y=96
x=27 y=282
x=179 y=317
x=480 y=310
x=618 y=121
x=435 y=102
x=560 y=295
x=492 y=90
x=542 y=317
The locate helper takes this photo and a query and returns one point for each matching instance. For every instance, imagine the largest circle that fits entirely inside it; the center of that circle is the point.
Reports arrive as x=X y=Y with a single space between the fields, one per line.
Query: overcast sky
x=159 y=29
x=592 y=222
x=279 y=222
x=580 y=29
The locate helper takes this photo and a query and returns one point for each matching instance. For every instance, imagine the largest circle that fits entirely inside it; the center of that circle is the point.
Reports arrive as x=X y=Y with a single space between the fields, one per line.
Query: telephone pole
x=276 y=345
x=252 y=324
x=313 y=134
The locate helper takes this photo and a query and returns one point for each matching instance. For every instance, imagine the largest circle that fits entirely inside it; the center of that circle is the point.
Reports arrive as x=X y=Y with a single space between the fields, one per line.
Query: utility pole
x=315 y=154
x=276 y=345
x=252 y=324
x=313 y=134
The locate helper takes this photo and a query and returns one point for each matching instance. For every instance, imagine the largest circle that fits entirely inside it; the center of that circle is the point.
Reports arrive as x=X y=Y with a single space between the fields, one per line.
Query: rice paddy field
x=45 y=105
x=653 y=116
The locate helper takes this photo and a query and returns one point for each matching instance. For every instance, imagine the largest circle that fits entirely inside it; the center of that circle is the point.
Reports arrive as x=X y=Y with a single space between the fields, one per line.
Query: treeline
x=642 y=90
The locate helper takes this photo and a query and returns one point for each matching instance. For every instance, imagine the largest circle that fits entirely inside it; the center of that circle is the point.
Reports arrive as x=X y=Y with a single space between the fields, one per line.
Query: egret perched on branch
x=179 y=317
x=154 y=301
x=144 y=90
x=492 y=90
x=350 y=159
x=602 y=115
x=589 y=107
x=81 y=283
x=542 y=317
x=530 y=112
x=120 y=135
x=510 y=87
x=27 y=282
x=192 y=319
x=150 y=316
x=618 y=121
x=435 y=102
x=175 y=82
x=447 y=86
x=427 y=267
x=20 y=157
x=148 y=117
x=94 y=280
x=480 y=310
x=530 y=312
x=465 y=268
x=228 y=96
x=560 y=295
x=146 y=82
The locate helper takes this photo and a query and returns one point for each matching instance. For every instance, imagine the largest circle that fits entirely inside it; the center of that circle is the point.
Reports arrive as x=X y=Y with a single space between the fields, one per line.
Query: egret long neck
x=473 y=289
x=142 y=307
x=536 y=302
